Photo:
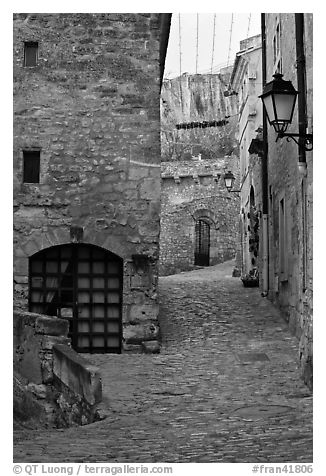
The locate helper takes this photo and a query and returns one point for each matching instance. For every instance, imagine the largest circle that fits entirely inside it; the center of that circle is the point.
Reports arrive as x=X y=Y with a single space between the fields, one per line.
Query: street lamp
x=279 y=99
x=229 y=179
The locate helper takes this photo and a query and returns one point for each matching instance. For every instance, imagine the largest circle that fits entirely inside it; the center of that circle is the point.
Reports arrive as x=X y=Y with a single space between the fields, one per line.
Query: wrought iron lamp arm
x=307 y=138
x=235 y=191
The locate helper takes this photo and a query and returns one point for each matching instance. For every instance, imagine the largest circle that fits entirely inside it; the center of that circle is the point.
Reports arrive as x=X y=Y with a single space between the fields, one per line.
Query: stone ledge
x=52 y=326
x=77 y=374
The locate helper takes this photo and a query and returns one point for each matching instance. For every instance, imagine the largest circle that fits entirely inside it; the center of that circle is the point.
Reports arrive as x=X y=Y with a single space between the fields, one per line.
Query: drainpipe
x=301 y=78
x=264 y=165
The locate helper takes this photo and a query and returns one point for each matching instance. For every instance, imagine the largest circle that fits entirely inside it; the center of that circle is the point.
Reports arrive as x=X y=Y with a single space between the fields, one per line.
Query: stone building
x=87 y=173
x=246 y=80
x=198 y=215
x=290 y=171
x=277 y=175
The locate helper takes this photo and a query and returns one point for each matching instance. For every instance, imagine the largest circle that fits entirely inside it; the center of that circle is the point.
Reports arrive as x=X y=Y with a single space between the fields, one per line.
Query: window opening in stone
x=66 y=281
x=31 y=166
x=202 y=243
x=282 y=240
x=30 y=53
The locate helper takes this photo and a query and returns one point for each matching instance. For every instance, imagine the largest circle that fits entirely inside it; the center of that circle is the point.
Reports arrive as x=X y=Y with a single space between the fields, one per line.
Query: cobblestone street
x=225 y=387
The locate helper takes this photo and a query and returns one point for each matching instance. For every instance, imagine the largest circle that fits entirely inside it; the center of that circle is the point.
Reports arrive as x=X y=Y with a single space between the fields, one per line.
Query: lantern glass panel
x=228 y=182
x=269 y=106
x=284 y=104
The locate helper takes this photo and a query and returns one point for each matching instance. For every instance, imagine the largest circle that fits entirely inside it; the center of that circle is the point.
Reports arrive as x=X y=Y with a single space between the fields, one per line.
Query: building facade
x=290 y=172
x=87 y=174
x=198 y=215
x=276 y=176
x=246 y=80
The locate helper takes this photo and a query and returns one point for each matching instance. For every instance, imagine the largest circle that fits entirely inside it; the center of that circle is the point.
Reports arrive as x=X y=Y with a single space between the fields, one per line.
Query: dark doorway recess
x=81 y=283
x=202 y=243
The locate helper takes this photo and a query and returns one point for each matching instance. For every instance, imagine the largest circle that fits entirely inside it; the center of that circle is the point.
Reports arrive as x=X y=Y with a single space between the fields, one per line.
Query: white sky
x=188 y=23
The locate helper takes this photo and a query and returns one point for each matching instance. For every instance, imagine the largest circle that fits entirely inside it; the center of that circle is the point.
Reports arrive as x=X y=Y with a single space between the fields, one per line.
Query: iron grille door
x=202 y=244
x=81 y=283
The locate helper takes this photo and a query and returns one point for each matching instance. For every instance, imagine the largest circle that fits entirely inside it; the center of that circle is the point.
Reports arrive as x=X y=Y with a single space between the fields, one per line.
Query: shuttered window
x=30 y=53
x=31 y=168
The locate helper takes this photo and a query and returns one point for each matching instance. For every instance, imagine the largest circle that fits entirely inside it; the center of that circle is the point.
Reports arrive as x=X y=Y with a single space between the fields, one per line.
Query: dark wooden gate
x=202 y=243
x=81 y=283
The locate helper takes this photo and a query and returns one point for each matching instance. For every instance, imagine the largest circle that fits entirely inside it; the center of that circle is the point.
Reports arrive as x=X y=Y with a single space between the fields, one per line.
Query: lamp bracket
x=235 y=191
x=306 y=137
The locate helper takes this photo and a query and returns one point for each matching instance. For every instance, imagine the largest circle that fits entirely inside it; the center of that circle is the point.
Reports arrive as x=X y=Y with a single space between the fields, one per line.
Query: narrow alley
x=225 y=387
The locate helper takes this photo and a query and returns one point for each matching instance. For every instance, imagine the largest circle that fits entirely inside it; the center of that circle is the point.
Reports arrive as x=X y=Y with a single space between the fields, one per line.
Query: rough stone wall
x=50 y=377
x=197 y=98
x=191 y=190
x=34 y=338
x=79 y=385
x=286 y=180
x=91 y=106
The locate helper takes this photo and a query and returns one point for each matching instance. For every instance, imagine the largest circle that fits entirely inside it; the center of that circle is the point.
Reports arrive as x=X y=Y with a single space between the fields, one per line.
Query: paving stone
x=178 y=406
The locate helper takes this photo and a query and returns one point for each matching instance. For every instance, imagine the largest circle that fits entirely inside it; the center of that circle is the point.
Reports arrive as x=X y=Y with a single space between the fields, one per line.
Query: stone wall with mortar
x=91 y=106
x=191 y=190
x=292 y=290
x=49 y=375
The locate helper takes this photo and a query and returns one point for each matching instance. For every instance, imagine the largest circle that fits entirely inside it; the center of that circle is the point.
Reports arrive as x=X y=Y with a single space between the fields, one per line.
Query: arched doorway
x=202 y=242
x=253 y=229
x=81 y=283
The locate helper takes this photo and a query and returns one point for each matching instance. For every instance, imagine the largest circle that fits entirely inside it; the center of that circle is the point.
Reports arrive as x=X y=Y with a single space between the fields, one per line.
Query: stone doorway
x=81 y=283
x=202 y=243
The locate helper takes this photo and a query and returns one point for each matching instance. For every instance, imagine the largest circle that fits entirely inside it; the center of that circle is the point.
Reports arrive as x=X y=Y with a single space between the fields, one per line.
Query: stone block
x=143 y=312
x=48 y=341
x=138 y=333
x=21 y=279
x=150 y=189
x=40 y=391
x=139 y=281
x=133 y=348
x=21 y=266
x=51 y=326
x=151 y=347
x=77 y=374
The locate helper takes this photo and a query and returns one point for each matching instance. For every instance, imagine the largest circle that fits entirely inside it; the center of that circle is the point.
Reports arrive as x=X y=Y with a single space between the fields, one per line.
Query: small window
x=283 y=251
x=30 y=53
x=277 y=59
x=31 y=166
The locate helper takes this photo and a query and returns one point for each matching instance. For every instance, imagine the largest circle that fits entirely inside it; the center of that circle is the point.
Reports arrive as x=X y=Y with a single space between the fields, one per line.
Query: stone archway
x=203 y=233
x=82 y=283
x=206 y=214
x=202 y=242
